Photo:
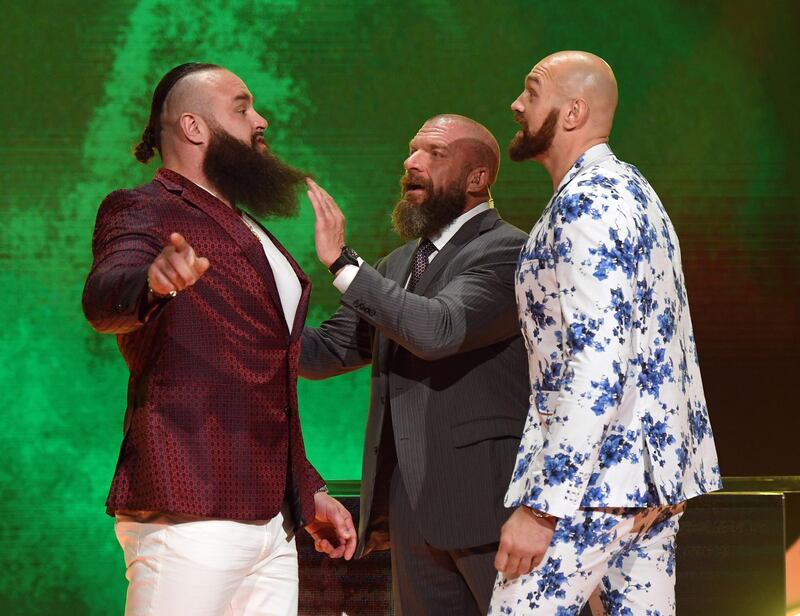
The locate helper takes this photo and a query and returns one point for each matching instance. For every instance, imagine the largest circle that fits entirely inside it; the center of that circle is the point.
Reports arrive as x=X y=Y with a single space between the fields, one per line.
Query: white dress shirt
x=286 y=280
x=348 y=272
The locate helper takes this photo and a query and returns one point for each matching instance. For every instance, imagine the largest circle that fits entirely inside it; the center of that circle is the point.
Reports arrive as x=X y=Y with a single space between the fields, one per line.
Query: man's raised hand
x=329 y=223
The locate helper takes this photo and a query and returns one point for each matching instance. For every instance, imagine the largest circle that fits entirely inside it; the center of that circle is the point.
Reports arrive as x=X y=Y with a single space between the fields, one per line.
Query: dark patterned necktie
x=420 y=262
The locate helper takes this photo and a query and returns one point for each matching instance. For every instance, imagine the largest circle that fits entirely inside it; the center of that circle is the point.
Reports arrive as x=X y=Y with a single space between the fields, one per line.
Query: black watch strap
x=348 y=256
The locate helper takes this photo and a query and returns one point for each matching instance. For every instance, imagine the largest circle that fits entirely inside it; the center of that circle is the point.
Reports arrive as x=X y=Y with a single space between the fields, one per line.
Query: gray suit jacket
x=449 y=364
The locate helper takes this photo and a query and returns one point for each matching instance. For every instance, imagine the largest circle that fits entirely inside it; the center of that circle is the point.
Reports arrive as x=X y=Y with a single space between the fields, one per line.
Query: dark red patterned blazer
x=211 y=426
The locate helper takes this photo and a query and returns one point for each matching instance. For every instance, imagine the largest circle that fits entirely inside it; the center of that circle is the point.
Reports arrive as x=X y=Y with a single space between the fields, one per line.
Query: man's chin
x=519 y=150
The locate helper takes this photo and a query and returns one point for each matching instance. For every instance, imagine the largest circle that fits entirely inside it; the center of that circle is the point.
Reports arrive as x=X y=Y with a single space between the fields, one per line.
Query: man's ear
x=194 y=128
x=478 y=180
x=577 y=114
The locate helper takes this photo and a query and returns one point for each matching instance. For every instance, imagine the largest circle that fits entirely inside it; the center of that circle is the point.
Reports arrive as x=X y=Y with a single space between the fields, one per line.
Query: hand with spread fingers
x=329 y=225
x=176 y=268
x=332 y=528
x=524 y=539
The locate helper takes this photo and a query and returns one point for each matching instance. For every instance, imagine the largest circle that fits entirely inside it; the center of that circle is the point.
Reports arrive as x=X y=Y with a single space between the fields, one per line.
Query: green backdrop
x=707 y=111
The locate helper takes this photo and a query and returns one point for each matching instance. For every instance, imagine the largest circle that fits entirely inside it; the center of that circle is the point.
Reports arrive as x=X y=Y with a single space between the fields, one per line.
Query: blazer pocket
x=477 y=430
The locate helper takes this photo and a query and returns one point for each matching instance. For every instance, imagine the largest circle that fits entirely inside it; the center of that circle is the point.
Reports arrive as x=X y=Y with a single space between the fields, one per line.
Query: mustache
x=258 y=139
x=412 y=181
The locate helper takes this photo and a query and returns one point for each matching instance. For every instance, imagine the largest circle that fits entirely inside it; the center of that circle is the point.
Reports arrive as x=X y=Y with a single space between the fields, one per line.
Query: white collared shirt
x=289 y=289
x=348 y=272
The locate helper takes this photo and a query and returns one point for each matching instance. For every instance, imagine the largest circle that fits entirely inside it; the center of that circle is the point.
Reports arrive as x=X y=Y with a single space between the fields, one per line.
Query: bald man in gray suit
x=437 y=321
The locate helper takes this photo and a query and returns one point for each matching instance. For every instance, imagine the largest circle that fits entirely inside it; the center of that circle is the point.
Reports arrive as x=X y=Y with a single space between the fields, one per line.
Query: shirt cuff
x=346 y=276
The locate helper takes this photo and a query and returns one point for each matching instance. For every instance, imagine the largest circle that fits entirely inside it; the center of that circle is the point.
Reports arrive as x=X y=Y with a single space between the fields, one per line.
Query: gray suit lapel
x=398 y=268
x=469 y=230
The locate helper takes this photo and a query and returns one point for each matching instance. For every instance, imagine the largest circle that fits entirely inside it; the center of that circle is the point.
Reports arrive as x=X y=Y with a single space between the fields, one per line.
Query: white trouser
x=187 y=566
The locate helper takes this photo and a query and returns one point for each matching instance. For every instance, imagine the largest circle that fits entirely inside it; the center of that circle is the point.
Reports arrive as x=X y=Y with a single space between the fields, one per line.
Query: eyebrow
x=433 y=147
x=533 y=80
x=244 y=96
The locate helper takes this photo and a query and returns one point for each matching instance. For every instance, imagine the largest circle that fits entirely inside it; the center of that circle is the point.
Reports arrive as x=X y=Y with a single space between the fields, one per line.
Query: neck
x=473 y=201
x=557 y=161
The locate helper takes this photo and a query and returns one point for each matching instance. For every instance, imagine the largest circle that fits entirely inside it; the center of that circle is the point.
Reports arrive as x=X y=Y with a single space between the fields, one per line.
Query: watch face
x=350 y=254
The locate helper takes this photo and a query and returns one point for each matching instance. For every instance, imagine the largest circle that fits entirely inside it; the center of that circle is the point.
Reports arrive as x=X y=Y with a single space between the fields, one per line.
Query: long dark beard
x=438 y=210
x=527 y=145
x=259 y=181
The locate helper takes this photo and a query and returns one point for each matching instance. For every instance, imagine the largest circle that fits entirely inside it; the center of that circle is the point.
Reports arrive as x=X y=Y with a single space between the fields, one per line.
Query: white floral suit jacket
x=618 y=416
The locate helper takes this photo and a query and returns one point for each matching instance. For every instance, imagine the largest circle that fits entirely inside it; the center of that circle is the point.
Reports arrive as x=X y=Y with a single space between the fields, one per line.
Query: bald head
x=191 y=94
x=473 y=139
x=585 y=76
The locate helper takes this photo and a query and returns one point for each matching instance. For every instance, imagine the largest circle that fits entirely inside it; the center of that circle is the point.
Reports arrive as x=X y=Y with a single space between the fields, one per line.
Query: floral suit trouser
x=625 y=558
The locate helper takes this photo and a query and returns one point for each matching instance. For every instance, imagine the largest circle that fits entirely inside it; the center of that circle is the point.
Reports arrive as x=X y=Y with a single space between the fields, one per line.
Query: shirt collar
x=446 y=234
x=588 y=158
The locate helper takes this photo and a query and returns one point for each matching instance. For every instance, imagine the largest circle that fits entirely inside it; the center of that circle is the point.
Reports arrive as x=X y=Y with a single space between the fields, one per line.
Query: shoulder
x=500 y=243
x=150 y=196
x=503 y=240
x=137 y=207
x=601 y=195
x=118 y=202
x=152 y=192
x=505 y=231
x=618 y=181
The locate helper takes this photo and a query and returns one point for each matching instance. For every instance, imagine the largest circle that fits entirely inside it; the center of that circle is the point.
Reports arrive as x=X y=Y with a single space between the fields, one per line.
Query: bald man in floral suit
x=617 y=437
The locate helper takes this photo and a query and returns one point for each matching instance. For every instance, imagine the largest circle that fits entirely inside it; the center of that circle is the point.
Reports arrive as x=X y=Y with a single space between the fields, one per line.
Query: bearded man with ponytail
x=208 y=308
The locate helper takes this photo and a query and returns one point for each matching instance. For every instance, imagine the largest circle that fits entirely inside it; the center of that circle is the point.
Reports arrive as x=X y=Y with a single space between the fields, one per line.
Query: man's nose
x=412 y=162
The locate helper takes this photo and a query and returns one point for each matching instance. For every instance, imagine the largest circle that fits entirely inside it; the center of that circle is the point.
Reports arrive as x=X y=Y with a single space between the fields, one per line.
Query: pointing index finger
x=178 y=241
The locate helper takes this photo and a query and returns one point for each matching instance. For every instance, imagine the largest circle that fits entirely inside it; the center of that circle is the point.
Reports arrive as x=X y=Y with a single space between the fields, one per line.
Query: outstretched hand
x=332 y=528
x=329 y=224
x=176 y=267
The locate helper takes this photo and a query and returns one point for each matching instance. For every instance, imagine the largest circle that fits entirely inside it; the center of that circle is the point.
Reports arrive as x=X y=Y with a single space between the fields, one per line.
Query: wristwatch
x=348 y=256
x=542 y=515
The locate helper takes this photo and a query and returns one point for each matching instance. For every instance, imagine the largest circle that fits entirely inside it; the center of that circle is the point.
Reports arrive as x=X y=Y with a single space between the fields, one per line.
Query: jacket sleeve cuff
x=562 y=501
x=147 y=310
x=346 y=276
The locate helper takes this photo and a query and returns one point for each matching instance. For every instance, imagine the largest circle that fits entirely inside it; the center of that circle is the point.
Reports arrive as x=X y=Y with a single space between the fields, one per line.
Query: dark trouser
x=430 y=582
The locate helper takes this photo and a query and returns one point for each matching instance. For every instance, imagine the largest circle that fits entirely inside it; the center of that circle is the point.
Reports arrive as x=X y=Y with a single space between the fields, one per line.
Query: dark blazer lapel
x=398 y=268
x=469 y=230
x=231 y=223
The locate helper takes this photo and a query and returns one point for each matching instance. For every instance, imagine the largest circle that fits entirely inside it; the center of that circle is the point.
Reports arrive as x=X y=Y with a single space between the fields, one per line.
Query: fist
x=176 y=268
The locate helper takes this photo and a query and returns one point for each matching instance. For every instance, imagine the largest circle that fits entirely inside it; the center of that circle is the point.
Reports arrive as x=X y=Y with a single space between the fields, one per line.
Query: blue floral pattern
x=618 y=415
x=629 y=552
